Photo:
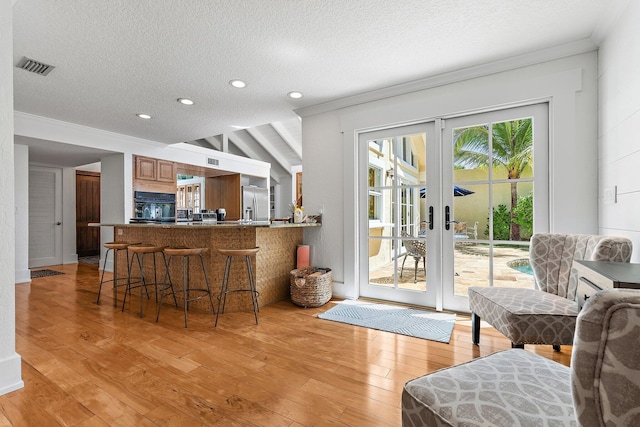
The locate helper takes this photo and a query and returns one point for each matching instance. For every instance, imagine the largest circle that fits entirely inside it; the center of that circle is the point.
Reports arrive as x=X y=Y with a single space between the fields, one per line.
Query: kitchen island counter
x=272 y=264
x=207 y=224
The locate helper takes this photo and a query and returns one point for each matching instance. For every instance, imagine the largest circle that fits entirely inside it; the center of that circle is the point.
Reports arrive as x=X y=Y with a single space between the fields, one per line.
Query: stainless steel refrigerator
x=255 y=203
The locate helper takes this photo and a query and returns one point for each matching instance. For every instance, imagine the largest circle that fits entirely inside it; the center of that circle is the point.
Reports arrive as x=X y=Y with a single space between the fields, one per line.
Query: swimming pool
x=522 y=265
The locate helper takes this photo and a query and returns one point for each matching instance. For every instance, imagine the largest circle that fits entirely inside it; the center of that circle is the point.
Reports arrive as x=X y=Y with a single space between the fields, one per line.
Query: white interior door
x=45 y=216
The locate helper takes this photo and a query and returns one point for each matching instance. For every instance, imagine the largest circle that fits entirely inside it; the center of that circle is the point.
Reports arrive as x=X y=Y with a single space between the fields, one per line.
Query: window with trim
x=408 y=211
x=375 y=196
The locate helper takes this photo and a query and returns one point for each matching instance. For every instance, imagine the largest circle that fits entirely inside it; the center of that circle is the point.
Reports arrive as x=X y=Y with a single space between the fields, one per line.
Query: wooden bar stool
x=190 y=293
x=138 y=252
x=116 y=248
x=224 y=290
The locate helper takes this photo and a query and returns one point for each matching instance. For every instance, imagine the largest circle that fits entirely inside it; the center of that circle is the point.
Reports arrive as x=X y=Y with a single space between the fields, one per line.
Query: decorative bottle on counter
x=297 y=215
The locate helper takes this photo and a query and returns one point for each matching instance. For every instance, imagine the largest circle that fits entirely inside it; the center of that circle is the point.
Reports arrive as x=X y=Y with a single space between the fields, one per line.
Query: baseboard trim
x=11 y=374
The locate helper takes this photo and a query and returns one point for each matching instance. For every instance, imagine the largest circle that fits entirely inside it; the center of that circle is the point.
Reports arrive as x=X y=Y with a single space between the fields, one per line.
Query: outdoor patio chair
x=416 y=249
x=472 y=232
x=518 y=388
x=546 y=314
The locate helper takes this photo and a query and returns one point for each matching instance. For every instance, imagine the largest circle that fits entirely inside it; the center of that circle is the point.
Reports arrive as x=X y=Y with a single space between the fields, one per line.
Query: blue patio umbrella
x=457 y=192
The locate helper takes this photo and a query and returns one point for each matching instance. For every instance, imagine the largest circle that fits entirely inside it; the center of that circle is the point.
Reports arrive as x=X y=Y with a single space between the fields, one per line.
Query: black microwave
x=154 y=206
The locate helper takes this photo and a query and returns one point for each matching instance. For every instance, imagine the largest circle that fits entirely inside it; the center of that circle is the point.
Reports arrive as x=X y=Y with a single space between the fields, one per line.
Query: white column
x=10 y=370
x=21 y=211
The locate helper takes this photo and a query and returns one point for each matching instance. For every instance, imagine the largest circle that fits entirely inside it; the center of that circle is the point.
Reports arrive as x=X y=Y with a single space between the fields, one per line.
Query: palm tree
x=512 y=145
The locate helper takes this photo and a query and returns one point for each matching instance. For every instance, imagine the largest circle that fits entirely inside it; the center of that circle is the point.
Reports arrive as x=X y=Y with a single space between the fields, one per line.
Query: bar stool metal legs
x=190 y=293
x=224 y=289
x=115 y=248
x=139 y=252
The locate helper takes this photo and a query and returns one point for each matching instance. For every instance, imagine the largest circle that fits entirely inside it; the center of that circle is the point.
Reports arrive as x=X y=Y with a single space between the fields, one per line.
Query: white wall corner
x=10 y=374
x=23 y=276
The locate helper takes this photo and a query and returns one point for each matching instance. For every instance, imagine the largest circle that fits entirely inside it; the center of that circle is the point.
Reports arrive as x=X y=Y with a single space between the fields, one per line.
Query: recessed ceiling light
x=185 y=101
x=295 y=95
x=143 y=116
x=237 y=83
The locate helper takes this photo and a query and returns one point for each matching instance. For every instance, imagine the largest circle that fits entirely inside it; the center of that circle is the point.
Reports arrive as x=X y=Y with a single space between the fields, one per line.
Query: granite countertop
x=209 y=224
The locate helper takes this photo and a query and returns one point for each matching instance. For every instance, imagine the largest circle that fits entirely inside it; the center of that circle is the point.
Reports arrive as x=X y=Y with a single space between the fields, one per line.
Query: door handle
x=447 y=218
x=58 y=223
x=430 y=217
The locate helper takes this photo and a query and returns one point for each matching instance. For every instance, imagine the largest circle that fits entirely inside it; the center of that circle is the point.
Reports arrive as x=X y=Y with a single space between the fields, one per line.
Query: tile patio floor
x=471 y=268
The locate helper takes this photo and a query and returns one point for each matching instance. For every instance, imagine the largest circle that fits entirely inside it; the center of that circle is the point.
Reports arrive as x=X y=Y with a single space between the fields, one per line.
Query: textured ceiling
x=117 y=58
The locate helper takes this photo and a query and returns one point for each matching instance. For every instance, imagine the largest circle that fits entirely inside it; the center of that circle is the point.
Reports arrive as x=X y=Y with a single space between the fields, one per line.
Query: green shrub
x=501 y=223
x=524 y=216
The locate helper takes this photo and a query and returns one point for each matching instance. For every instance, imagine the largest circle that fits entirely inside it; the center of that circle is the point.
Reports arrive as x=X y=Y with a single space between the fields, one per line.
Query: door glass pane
x=471 y=260
x=396 y=173
x=493 y=204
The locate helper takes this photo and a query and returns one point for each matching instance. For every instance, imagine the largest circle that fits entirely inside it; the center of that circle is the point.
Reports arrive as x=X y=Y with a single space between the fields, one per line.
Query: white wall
x=115 y=181
x=21 y=162
x=10 y=368
x=329 y=140
x=69 y=254
x=619 y=121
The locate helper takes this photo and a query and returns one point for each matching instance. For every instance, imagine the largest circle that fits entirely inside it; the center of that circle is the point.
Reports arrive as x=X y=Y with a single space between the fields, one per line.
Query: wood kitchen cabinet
x=151 y=169
x=145 y=168
x=154 y=175
x=166 y=171
x=224 y=192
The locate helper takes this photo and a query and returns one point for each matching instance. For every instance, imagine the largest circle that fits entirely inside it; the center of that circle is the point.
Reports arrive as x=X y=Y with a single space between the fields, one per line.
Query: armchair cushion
x=526 y=315
x=509 y=388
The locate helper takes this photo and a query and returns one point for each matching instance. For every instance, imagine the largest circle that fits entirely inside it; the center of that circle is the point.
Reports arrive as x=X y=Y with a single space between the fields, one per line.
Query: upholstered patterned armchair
x=547 y=314
x=517 y=388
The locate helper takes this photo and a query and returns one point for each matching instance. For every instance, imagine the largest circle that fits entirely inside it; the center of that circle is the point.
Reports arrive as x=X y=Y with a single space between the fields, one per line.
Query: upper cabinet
x=154 y=175
x=166 y=171
x=155 y=169
x=146 y=168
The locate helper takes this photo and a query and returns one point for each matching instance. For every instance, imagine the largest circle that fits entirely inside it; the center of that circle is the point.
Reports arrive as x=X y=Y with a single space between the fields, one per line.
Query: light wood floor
x=92 y=365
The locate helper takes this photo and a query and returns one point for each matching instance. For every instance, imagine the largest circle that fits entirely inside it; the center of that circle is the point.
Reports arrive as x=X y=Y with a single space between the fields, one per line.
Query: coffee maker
x=221 y=214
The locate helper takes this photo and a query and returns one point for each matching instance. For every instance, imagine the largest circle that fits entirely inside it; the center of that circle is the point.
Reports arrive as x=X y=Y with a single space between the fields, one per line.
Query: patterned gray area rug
x=44 y=273
x=430 y=325
x=89 y=259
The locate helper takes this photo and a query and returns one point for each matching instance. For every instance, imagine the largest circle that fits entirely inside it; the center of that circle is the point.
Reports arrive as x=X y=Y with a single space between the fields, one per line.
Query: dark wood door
x=87 y=210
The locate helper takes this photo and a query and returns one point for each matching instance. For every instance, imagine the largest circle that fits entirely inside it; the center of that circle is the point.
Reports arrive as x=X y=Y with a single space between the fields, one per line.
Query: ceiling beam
x=215 y=144
x=269 y=147
x=287 y=137
x=243 y=145
x=244 y=142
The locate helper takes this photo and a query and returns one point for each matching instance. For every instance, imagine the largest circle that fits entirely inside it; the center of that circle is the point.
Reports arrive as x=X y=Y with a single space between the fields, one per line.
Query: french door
x=448 y=204
x=398 y=259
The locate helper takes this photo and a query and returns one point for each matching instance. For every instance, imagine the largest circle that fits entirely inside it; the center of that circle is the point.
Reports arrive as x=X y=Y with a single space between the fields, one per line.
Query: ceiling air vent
x=35 y=66
x=213 y=162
